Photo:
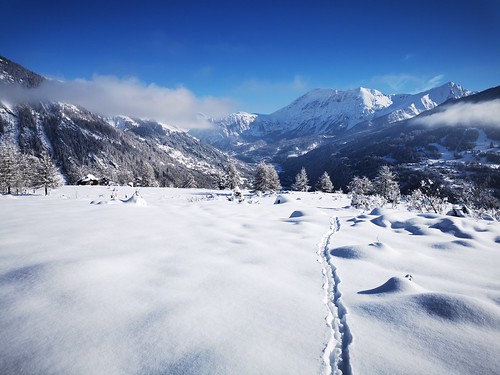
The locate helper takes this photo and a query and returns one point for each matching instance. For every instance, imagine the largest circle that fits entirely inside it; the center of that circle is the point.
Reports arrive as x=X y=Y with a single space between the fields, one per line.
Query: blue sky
x=258 y=55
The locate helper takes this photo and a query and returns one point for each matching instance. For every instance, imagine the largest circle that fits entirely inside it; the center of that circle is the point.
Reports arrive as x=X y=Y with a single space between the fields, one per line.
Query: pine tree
x=146 y=176
x=324 y=183
x=9 y=168
x=360 y=186
x=228 y=179
x=301 y=181
x=273 y=179
x=233 y=178
x=266 y=178
x=29 y=166
x=386 y=186
x=47 y=175
x=189 y=182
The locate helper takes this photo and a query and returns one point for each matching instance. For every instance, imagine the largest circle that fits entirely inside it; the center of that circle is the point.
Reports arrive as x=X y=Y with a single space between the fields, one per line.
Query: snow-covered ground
x=188 y=282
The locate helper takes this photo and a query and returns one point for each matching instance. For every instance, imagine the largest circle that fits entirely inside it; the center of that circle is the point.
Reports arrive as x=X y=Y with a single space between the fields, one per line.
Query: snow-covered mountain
x=226 y=130
x=407 y=106
x=329 y=112
x=454 y=141
x=120 y=148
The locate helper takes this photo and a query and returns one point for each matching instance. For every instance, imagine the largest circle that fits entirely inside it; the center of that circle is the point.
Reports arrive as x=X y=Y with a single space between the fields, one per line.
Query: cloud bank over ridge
x=485 y=114
x=110 y=95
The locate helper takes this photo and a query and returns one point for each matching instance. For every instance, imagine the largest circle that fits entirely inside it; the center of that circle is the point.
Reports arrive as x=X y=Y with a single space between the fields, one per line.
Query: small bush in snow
x=427 y=198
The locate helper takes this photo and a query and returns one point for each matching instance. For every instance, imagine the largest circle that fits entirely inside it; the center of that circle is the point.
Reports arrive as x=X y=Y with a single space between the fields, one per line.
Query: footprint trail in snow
x=336 y=352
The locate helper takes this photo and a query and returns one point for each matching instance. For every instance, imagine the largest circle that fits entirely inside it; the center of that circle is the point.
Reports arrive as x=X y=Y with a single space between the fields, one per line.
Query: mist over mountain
x=121 y=149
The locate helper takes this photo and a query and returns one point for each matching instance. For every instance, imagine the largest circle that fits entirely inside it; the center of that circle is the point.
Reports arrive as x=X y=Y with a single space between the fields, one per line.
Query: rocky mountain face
x=121 y=149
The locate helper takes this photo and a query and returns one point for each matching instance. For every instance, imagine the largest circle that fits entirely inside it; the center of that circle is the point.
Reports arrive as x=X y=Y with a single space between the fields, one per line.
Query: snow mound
x=457 y=308
x=381 y=221
x=376 y=212
x=280 y=199
x=136 y=200
x=347 y=252
x=297 y=213
x=395 y=285
x=451 y=227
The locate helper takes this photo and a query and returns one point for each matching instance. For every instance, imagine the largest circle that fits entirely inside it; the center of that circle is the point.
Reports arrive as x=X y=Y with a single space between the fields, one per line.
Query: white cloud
x=109 y=95
x=486 y=114
x=400 y=82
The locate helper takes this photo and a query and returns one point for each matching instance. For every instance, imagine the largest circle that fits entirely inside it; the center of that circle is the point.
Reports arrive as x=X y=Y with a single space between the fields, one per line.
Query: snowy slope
x=123 y=122
x=325 y=110
x=187 y=282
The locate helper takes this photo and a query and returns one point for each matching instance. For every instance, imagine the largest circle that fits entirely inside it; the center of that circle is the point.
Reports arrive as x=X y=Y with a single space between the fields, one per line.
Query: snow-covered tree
x=324 y=183
x=427 y=198
x=189 y=182
x=29 y=170
x=266 y=178
x=360 y=186
x=230 y=178
x=301 y=181
x=480 y=200
x=10 y=165
x=386 y=186
x=146 y=176
x=46 y=174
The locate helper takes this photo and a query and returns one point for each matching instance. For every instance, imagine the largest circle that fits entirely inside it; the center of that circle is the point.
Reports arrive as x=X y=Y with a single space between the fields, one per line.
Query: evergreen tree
x=301 y=181
x=189 y=182
x=229 y=179
x=47 y=175
x=146 y=176
x=29 y=169
x=233 y=178
x=386 y=186
x=360 y=186
x=9 y=169
x=324 y=183
x=266 y=178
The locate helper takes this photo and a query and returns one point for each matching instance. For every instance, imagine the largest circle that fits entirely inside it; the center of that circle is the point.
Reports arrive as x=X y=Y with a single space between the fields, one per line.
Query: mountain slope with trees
x=80 y=142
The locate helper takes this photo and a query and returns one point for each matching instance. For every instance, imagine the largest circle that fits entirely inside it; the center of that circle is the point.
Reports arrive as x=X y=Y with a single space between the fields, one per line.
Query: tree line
x=21 y=172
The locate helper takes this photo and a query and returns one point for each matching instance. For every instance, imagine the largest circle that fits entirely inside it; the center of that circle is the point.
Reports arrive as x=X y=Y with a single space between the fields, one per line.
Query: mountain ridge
x=322 y=112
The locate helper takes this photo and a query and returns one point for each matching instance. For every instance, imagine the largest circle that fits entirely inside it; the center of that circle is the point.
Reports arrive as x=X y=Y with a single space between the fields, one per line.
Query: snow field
x=187 y=282
x=444 y=317
x=184 y=285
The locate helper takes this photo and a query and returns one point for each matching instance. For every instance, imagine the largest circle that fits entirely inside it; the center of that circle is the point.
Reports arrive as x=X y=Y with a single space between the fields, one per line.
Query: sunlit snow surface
x=188 y=282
